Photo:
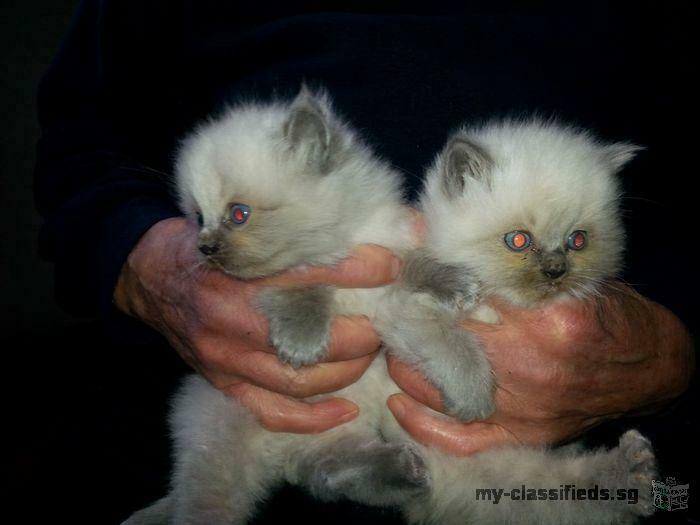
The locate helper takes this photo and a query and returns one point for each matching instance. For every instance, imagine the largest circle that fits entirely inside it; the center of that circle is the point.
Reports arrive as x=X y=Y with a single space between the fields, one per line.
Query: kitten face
x=259 y=182
x=530 y=208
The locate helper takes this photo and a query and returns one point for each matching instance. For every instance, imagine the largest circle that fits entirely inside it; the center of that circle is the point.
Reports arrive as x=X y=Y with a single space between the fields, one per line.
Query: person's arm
x=101 y=109
x=560 y=370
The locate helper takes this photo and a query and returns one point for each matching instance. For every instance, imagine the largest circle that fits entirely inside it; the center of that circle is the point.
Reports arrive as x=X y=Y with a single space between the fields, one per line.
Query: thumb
x=444 y=433
x=279 y=413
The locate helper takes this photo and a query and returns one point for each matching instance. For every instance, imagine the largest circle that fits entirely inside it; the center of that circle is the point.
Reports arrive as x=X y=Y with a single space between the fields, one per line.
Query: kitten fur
x=314 y=192
x=548 y=180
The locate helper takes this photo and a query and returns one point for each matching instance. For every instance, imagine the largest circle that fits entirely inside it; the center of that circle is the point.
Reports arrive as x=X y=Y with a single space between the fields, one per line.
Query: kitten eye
x=239 y=213
x=577 y=240
x=517 y=240
x=200 y=220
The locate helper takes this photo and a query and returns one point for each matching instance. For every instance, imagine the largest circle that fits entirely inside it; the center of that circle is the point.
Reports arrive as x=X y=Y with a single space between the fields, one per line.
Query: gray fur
x=463 y=159
x=367 y=471
x=300 y=322
x=448 y=283
x=424 y=333
x=629 y=466
x=308 y=130
x=226 y=462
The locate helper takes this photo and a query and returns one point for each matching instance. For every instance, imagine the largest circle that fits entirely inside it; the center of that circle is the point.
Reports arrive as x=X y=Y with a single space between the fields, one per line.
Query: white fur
x=549 y=180
x=225 y=462
x=546 y=178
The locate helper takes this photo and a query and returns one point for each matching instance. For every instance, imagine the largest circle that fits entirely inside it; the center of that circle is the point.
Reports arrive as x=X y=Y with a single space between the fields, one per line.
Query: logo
x=668 y=495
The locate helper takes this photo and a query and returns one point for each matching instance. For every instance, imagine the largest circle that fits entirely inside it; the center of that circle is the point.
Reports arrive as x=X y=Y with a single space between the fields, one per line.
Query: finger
x=446 y=434
x=279 y=413
x=267 y=371
x=415 y=384
x=351 y=337
x=369 y=266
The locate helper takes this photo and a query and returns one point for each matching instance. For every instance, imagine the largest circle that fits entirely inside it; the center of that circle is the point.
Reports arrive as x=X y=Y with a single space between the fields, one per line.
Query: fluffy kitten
x=273 y=187
x=528 y=211
x=276 y=186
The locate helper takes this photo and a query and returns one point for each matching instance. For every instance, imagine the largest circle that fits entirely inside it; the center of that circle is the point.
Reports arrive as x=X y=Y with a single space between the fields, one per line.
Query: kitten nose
x=209 y=249
x=553 y=264
x=554 y=271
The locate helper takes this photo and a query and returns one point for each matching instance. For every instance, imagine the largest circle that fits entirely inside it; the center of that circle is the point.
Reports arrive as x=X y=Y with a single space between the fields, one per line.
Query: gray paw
x=299 y=347
x=470 y=399
x=452 y=285
x=640 y=467
x=411 y=471
x=378 y=475
x=462 y=374
x=300 y=323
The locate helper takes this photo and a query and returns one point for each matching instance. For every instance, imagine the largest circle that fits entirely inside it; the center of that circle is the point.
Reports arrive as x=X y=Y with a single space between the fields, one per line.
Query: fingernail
x=397 y=405
x=349 y=416
x=344 y=410
x=395 y=267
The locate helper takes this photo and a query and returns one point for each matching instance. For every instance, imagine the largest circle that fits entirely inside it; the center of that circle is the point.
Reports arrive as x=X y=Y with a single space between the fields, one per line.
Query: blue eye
x=200 y=220
x=239 y=213
x=517 y=240
x=577 y=240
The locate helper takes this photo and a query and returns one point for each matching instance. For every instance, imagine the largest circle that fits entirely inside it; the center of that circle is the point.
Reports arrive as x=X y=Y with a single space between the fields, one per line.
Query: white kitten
x=273 y=187
x=528 y=211
x=276 y=186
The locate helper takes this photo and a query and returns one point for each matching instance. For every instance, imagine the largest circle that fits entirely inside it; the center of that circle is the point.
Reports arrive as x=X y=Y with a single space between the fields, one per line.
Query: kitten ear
x=462 y=159
x=620 y=153
x=307 y=128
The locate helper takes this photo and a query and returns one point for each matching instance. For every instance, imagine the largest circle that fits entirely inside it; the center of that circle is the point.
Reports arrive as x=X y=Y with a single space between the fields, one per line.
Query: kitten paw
x=469 y=401
x=379 y=475
x=299 y=349
x=300 y=323
x=640 y=466
x=411 y=469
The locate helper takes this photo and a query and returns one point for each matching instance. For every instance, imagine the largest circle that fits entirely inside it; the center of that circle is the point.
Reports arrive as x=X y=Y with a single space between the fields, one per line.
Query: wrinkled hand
x=212 y=321
x=560 y=370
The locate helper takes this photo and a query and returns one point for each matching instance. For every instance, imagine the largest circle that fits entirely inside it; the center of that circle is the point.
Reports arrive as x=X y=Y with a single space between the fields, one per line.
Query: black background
x=89 y=426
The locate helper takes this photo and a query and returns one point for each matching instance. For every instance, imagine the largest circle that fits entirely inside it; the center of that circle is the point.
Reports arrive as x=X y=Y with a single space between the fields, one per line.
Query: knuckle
x=377 y=264
x=238 y=391
x=201 y=344
x=213 y=355
x=543 y=378
x=269 y=423
x=299 y=385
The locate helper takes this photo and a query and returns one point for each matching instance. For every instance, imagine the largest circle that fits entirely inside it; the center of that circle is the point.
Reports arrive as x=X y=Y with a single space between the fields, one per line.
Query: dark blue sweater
x=133 y=76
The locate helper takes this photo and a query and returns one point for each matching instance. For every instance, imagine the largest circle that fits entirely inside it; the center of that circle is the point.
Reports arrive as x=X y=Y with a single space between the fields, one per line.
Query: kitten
x=280 y=185
x=527 y=211
x=273 y=187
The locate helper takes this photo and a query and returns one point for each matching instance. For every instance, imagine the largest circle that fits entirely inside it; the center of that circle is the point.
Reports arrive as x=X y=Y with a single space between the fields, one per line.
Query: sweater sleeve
x=102 y=174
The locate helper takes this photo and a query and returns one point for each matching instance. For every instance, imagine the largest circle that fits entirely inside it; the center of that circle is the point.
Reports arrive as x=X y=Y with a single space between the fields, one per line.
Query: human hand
x=213 y=323
x=560 y=370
